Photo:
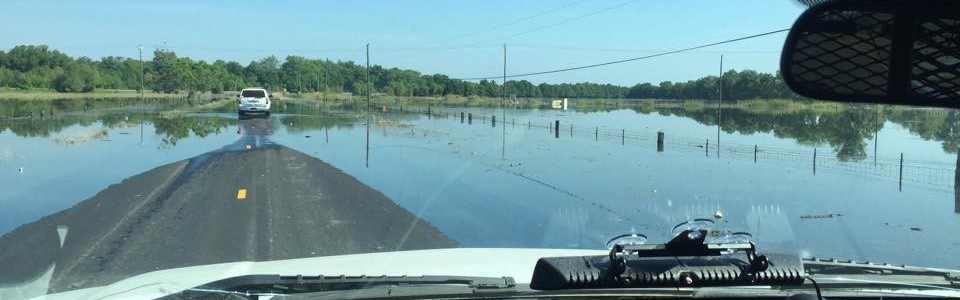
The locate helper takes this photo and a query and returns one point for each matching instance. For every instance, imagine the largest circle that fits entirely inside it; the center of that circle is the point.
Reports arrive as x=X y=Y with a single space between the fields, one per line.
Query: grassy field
x=382 y=99
x=757 y=106
x=222 y=105
x=46 y=94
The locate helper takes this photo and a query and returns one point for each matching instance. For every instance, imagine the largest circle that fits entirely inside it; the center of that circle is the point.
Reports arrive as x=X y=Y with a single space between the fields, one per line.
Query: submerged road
x=239 y=203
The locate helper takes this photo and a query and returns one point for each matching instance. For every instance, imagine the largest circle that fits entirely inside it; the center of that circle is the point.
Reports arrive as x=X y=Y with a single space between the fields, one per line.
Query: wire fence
x=936 y=175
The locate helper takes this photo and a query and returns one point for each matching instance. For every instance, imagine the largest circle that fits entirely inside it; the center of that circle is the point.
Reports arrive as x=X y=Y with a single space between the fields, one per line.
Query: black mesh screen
x=936 y=60
x=847 y=54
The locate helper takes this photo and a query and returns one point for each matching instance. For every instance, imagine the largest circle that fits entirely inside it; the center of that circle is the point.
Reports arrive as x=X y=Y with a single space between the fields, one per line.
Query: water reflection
x=254 y=132
x=184 y=214
x=846 y=129
x=173 y=129
x=578 y=188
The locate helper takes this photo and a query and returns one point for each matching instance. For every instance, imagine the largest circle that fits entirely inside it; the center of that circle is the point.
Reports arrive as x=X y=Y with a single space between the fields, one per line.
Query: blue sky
x=457 y=38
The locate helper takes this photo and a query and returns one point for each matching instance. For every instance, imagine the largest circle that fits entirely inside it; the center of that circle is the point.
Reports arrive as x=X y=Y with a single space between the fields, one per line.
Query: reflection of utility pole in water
x=720 y=105
x=140 y=48
x=876 y=136
x=367 y=161
x=956 y=186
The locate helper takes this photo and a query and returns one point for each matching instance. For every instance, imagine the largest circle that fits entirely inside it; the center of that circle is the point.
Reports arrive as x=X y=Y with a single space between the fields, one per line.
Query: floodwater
x=859 y=182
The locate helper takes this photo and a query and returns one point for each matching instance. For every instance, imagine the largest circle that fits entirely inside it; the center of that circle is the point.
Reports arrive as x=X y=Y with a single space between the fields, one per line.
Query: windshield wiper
x=846 y=273
x=254 y=286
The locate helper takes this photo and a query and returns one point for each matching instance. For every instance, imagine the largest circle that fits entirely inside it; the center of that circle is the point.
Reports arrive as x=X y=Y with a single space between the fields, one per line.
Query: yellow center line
x=241 y=194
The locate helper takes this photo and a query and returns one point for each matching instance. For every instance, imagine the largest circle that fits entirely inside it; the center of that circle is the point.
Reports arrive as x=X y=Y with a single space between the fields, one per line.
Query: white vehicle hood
x=484 y=262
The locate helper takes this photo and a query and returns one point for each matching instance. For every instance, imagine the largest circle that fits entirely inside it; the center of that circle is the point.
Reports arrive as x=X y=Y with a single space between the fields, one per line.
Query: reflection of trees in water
x=845 y=127
x=172 y=130
x=305 y=116
x=846 y=131
x=10 y=109
x=23 y=118
x=932 y=124
x=37 y=127
x=39 y=118
x=300 y=116
x=26 y=119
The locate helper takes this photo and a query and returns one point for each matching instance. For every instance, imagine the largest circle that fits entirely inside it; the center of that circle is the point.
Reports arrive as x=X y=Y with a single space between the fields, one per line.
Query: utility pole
x=140 y=48
x=503 y=108
x=720 y=106
x=368 y=107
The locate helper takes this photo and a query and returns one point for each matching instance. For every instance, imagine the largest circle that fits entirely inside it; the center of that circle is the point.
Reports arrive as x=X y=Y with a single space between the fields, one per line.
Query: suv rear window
x=253 y=93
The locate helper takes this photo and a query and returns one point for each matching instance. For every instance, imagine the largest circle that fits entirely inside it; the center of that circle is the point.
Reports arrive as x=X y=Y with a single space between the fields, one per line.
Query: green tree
x=25 y=58
x=80 y=76
x=265 y=72
x=198 y=78
x=40 y=67
x=170 y=72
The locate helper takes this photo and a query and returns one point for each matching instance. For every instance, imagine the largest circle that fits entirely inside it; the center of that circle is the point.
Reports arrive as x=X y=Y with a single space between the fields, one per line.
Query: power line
x=554 y=24
x=629 y=59
x=434 y=47
x=505 y=24
x=602 y=10
x=628 y=50
x=492 y=42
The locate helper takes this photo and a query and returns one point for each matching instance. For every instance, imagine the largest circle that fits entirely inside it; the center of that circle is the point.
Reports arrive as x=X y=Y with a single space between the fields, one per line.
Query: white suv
x=253 y=100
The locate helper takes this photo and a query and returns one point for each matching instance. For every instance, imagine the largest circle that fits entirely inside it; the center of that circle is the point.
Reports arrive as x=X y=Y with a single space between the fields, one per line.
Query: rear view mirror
x=876 y=51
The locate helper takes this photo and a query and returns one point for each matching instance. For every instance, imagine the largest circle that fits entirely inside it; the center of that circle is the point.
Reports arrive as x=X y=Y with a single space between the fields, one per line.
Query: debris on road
x=822 y=216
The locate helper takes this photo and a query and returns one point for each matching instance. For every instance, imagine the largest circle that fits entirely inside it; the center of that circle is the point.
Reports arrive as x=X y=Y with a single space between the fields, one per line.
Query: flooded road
x=815 y=181
x=251 y=200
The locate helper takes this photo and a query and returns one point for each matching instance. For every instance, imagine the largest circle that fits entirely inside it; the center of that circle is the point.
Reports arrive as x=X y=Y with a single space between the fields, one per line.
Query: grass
x=647 y=105
x=324 y=96
x=772 y=106
x=692 y=105
x=198 y=108
x=47 y=94
x=821 y=106
x=381 y=99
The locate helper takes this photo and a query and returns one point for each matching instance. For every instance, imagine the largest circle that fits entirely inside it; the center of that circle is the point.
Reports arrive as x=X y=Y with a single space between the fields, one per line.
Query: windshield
x=545 y=125
x=253 y=93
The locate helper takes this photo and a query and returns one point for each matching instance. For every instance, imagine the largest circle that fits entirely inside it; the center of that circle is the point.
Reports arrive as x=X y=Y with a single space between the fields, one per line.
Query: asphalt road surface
x=251 y=200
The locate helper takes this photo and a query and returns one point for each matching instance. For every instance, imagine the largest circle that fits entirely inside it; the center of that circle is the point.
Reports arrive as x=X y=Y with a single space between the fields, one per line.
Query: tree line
x=38 y=66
